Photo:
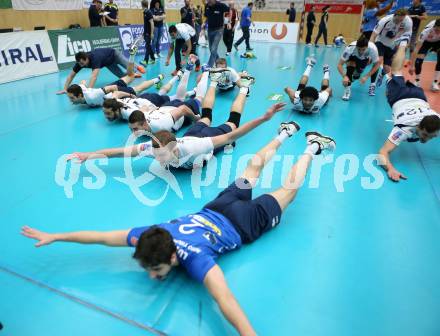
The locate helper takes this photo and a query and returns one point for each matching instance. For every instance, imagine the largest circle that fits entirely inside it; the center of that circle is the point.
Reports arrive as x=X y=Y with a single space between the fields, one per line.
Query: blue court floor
x=355 y=254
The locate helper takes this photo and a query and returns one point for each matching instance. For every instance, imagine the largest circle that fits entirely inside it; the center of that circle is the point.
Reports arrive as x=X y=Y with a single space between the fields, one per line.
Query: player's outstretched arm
x=69 y=80
x=216 y=284
x=109 y=238
x=230 y=137
x=130 y=151
x=385 y=161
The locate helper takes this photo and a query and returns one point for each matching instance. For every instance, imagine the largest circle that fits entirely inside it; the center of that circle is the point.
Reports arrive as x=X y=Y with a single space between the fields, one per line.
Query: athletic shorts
x=193 y=104
x=360 y=64
x=122 y=86
x=201 y=130
x=156 y=99
x=429 y=46
x=251 y=218
x=398 y=89
x=386 y=52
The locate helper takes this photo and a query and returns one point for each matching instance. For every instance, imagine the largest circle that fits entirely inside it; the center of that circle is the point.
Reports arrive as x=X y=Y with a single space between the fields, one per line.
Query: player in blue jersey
x=195 y=241
x=371 y=16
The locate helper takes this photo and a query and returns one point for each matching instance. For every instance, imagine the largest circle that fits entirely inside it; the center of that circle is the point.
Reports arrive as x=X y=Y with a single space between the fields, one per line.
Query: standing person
x=231 y=19
x=371 y=16
x=323 y=27
x=214 y=13
x=112 y=18
x=148 y=31
x=311 y=20
x=198 y=22
x=187 y=14
x=291 y=12
x=183 y=37
x=245 y=23
x=95 y=17
x=417 y=13
x=158 y=18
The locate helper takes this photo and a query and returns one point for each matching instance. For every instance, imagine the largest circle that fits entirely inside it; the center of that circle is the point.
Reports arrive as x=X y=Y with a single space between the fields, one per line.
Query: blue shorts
x=122 y=86
x=201 y=130
x=398 y=89
x=156 y=98
x=251 y=218
x=193 y=104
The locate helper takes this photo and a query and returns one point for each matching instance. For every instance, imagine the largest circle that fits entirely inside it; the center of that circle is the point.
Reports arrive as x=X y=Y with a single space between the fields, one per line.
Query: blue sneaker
x=379 y=79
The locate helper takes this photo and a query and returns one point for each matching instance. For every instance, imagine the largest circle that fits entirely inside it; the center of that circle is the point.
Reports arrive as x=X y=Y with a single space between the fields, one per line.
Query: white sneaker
x=290 y=127
x=372 y=90
x=325 y=68
x=216 y=74
x=156 y=56
x=247 y=80
x=310 y=61
x=325 y=143
x=347 y=93
x=435 y=87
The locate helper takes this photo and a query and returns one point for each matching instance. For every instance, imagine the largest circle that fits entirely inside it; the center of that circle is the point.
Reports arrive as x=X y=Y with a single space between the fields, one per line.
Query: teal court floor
x=355 y=254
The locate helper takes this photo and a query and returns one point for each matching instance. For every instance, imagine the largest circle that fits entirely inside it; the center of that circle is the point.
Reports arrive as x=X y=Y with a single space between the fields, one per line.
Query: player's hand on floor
x=395 y=175
x=363 y=80
x=61 y=92
x=78 y=157
x=42 y=237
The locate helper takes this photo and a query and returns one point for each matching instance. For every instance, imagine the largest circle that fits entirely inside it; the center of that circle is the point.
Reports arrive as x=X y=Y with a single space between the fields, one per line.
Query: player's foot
x=160 y=78
x=215 y=76
x=156 y=56
x=249 y=49
x=309 y=44
x=179 y=74
x=227 y=53
x=328 y=45
x=325 y=68
x=191 y=61
x=310 y=61
x=435 y=87
x=417 y=82
x=247 y=81
x=152 y=62
x=316 y=46
x=134 y=47
x=197 y=69
x=290 y=128
x=347 y=93
x=144 y=62
x=372 y=89
x=205 y=67
x=325 y=143
x=235 y=47
x=379 y=79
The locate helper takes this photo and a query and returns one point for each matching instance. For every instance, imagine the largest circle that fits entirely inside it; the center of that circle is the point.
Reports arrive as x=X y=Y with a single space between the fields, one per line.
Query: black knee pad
x=207 y=113
x=324 y=87
x=234 y=117
x=418 y=65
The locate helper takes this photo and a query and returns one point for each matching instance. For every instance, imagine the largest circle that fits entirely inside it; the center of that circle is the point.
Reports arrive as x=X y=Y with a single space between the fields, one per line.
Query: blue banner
x=127 y=34
x=432 y=6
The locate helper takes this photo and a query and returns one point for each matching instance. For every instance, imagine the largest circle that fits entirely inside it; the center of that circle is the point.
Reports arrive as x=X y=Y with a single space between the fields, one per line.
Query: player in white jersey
x=307 y=99
x=413 y=119
x=429 y=40
x=339 y=41
x=387 y=30
x=356 y=57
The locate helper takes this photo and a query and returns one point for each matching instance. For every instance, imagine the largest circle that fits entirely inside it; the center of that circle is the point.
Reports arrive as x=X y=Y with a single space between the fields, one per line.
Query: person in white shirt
x=413 y=118
x=357 y=55
x=307 y=99
x=183 y=41
x=429 y=40
x=384 y=35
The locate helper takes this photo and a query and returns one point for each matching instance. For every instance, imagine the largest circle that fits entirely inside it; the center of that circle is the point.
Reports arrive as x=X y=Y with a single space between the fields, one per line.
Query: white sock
x=403 y=44
x=181 y=88
x=327 y=75
x=173 y=80
x=308 y=71
x=282 y=136
x=213 y=84
x=312 y=149
x=191 y=93
x=437 y=76
x=202 y=86
x=244 y=90
x=156 y=80
x=131 y=58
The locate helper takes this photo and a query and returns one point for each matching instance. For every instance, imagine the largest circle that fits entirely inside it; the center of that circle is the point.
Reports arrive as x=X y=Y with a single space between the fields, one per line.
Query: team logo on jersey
x=397 y=135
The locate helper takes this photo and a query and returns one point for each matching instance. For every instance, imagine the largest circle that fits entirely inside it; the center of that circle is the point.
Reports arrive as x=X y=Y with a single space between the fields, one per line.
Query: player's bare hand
x=42 y=237
x=273 y=109
x=395 y=175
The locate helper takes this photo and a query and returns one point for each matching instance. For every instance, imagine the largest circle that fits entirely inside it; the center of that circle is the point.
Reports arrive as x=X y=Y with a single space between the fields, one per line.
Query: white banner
x=134 y=4
x=278 y=32
x=47 y=4
x=25 y=54
x=174 y=4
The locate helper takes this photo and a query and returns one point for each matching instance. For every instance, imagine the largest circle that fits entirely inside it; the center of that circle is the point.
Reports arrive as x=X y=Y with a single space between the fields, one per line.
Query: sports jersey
x=162 y=120
x=428 y=34
x=199 y=238
x=369 y=20
x=407 y=114
x=94 y=97
x=133 y=104
x=228 y=79
x=319 y=103
x=387 y=30
x=192 y=151
x=370 y=53
x=184 y=31
x=339 y=41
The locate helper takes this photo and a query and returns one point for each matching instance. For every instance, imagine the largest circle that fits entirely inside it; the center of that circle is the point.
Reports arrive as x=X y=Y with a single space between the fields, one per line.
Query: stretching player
x=307 y=99
x=387 y=30
x=429 y=40
x=224 y=224
x=413 y=118
x=356 y=57
x=199 y=143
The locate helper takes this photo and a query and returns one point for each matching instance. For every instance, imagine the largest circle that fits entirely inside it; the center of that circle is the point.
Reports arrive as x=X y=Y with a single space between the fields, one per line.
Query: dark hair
x=155 y=246
x=75 y=89
x=430 y=123
x=309 y=91
x=162 y=138
x=172 y=29
x=221 y=60
x=437 y=23
x=81 y=55
x=401 y=12
x=250 y=4
x=325 y=8
x=137 y=116
x=144 y=3
x=112 y=104
x=362 y=41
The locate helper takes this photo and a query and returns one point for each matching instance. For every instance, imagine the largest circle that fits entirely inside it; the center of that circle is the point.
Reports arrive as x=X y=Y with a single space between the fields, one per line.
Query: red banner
x=337 y=8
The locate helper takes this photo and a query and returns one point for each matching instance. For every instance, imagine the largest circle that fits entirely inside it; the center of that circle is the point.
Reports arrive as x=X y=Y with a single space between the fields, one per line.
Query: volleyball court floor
x=355 y=254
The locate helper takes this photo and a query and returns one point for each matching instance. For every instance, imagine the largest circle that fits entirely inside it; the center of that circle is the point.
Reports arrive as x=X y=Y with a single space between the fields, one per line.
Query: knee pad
x=437 y=66
x=418 y=65
x=207 y=113
x=234 y=117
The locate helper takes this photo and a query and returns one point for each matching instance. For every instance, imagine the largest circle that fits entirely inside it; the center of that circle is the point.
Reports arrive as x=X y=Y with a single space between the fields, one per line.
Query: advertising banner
x=128 y=34
x=47 y=4
x=25 y=54
x=278 y=32
x=66 y=43
x=336 y=6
